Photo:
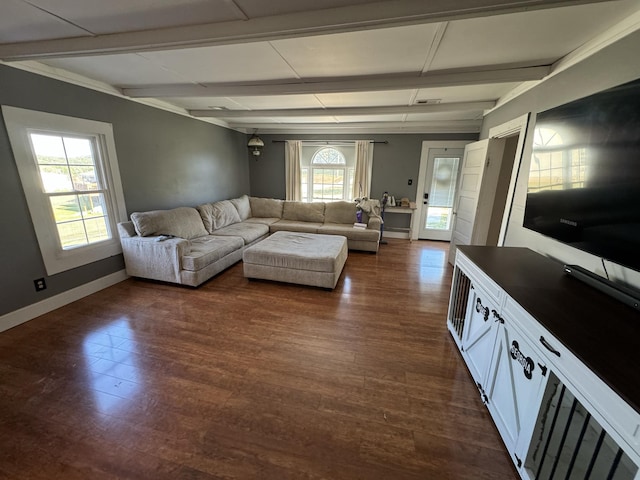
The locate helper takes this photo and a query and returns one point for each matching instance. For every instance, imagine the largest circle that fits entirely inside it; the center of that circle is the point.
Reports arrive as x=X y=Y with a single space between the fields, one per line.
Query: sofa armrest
x=158 y=260
x=374 y=223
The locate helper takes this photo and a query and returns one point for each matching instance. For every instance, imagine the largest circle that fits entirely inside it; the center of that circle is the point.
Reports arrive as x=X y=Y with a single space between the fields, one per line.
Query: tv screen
x=584 y=178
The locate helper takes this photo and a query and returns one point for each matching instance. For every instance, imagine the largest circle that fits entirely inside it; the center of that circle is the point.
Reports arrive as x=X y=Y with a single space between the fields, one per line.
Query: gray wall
x=394 y=164
x=166 y=160
x=612 y=66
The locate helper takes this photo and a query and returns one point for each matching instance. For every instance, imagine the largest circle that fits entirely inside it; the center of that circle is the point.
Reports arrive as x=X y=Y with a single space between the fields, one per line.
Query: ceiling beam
x=341 y=85
x=326 y=21
x=351 y=111
x=453 y=126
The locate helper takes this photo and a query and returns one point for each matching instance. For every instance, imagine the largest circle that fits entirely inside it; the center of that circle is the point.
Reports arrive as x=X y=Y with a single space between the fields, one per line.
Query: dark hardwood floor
x=245 y=379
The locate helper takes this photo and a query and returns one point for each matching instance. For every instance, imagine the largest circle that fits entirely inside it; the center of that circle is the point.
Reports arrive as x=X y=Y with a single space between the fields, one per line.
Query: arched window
x=327 y=173
x=331 y=176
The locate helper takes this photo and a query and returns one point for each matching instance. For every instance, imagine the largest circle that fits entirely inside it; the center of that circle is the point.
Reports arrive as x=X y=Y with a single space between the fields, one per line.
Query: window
x=69 y=172
x=329 y=174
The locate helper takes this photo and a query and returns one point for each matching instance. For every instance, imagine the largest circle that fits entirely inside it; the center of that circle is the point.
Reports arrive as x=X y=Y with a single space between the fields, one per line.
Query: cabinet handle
x=484 y=310
x=497 y=317
x=549 y=347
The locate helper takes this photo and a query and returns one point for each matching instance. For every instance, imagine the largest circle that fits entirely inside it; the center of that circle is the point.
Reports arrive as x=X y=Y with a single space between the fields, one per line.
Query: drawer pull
x=549 y=347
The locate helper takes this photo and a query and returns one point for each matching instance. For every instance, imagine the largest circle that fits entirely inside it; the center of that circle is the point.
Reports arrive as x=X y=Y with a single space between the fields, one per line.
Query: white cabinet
x=556 y=417
x=516 y=379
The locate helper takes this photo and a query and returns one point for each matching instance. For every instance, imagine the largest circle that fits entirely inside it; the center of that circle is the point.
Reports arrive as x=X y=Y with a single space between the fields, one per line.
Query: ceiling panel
x=524 y=37
x=119 y=70
x=21 y=22
x=226 y=63
x=100 y=16
x=367 y=99
x=386 y=50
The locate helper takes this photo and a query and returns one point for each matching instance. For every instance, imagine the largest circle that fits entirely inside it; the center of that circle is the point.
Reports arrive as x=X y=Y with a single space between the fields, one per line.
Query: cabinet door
x=516 y=377
x=479 y=335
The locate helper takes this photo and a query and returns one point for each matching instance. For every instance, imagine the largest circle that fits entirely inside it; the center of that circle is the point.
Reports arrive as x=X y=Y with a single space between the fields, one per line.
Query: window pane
x=97 y=229
x=92 y=205
x=65 y=208
x=48 y=148
x=55 y=178
x=78 y=151
x=72 y=234
x=84 y=178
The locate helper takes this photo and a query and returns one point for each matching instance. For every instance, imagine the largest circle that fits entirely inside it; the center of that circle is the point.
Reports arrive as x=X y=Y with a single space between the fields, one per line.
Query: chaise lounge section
x=189 y=245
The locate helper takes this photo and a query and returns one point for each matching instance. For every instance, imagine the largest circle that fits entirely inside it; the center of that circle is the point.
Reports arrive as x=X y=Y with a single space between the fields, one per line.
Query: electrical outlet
x=410 y=182
x=40 y=284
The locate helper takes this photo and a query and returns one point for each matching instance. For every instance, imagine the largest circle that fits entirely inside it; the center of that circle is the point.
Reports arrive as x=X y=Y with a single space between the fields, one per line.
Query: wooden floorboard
x=242 y=379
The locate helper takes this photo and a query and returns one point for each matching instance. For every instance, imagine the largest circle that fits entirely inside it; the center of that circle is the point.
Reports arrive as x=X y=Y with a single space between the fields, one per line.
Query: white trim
x=30 y=312
x=517 y=126
x=363 y=128
x=19 y=122
x=422 y=174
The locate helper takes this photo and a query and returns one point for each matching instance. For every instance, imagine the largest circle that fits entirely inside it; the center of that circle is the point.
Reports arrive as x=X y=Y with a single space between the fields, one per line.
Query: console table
x=554 y=360
x=402 y=210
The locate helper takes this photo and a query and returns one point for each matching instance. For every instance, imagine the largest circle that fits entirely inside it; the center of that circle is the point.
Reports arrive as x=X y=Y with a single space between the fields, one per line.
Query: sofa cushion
x=265 y=207
x=209 y=249
x=183 y=222
x=218 y=215
x=223 y=213
x=249 y=232
x=303 y=212
x=242 y=206
x=294 y=226
x=348 y=230
x=340 y=212
x=262 y=220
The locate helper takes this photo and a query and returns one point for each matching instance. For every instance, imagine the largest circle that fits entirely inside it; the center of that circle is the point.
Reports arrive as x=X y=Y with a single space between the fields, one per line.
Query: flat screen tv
x=584 y=178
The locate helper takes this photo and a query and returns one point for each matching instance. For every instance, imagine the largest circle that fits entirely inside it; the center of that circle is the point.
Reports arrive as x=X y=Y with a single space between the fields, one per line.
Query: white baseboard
x=30 y=312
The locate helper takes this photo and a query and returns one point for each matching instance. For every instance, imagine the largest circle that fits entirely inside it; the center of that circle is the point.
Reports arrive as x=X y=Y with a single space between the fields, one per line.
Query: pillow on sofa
x=183 y=222
x=242 y=206
x=266 y=207
x=340 y=212
x=223 y=213
x=303 y=212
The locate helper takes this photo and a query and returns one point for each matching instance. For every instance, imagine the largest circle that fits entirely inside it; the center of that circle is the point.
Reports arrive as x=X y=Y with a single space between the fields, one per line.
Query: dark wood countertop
x=602 y=332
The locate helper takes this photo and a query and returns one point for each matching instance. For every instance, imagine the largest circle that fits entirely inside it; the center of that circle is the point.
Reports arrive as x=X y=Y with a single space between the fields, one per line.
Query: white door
x=466 y=203
x=436 y=216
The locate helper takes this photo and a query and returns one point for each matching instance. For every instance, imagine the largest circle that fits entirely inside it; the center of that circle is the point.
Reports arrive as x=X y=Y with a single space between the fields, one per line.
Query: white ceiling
x=310 y=65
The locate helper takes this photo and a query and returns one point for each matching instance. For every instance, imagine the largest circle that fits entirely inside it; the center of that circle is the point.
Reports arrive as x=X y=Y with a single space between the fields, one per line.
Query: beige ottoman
x=303 y=258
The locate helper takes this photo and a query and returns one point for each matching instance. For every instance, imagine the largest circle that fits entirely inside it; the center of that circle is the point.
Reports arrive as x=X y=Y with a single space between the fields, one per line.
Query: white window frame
x=347 y=167
x=20 y=123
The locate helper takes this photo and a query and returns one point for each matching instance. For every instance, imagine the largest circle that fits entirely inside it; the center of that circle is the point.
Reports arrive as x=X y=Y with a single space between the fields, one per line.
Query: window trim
x=20 y=123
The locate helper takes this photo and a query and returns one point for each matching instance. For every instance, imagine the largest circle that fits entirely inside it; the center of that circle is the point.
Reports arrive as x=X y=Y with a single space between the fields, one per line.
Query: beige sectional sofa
x=189 y=245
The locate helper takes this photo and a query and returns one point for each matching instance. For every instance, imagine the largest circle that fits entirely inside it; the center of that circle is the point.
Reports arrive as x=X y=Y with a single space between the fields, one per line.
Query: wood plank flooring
x=247 y=379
